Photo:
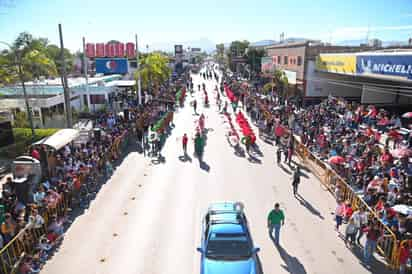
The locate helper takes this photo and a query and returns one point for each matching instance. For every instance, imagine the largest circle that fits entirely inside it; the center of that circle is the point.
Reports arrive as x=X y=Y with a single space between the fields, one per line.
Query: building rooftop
x=51 y=87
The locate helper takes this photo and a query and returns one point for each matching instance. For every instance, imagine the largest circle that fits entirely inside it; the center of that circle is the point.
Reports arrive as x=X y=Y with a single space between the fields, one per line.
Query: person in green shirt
x=276 y=219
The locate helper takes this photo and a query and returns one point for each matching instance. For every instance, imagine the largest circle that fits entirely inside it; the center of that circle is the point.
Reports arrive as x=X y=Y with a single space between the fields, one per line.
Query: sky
x=177 y=21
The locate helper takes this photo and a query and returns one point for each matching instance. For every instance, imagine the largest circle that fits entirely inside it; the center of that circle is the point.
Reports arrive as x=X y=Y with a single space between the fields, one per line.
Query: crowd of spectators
x=73 y=173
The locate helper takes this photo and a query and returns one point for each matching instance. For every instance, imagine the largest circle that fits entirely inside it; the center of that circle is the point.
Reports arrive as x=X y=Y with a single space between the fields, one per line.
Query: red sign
x=90 y=50
x=100 y=50
x=120 y=50
x=130 y=50
x=110 y=50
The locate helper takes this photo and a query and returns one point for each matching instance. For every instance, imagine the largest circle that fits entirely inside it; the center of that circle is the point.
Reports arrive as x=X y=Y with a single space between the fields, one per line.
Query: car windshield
x=228 y=246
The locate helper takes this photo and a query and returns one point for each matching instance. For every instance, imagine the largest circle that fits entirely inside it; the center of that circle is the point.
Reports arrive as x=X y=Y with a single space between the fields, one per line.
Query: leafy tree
x=237 y=49
x=53 y=52
x=20 y=120
x=154 y=70
x=280 y=82
x=254 y=58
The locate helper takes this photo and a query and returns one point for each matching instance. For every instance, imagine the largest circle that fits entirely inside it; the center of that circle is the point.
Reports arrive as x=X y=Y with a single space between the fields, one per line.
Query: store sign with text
x=336 y=63
x=394 y=65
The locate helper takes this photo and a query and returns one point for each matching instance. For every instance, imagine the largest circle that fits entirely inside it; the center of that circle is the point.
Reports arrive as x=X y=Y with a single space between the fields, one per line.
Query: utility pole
x=139 y=86
x=64 y=82
x=85 y=68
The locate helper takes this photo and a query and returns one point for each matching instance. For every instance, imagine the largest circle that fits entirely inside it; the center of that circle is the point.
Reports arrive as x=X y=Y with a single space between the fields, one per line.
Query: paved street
x=147 y=217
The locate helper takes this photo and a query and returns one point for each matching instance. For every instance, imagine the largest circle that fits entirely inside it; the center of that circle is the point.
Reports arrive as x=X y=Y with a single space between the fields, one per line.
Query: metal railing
x=388 y=246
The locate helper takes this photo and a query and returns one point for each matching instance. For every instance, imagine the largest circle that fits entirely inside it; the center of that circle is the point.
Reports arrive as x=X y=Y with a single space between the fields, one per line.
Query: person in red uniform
x=35 y=154
x=184 y=143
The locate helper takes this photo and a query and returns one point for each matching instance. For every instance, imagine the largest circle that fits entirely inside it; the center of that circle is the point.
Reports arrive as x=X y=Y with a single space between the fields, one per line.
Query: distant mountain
x=203 y=43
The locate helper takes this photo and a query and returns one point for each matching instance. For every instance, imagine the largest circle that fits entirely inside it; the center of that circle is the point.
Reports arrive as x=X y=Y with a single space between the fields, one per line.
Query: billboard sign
x=394 y=65
x=178 y=49
x=336 y=63
x=111 y=65
x=267 y=65
x=110 y=50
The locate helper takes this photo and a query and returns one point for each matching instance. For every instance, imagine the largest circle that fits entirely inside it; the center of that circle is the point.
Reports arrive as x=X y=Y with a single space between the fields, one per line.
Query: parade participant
x=202 y=123
x=195 y=106
x=199 y=146
x=206 y=100
x=276 y=219
x=296 y=180
x=184 y=144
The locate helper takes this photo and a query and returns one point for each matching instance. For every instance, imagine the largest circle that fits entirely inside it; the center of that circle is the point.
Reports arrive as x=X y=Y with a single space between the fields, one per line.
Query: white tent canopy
x=60 y=138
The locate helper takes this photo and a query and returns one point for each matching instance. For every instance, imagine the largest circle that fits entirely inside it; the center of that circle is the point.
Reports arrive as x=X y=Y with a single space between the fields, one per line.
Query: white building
x=46 y=97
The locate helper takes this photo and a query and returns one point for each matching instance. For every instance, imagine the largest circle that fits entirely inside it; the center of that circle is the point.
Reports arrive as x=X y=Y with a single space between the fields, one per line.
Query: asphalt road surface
x=147 y=217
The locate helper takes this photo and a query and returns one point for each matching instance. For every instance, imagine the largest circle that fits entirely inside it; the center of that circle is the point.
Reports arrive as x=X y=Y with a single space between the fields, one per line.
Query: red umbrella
x=407 y=115
x=337 y=160
x=402 y=152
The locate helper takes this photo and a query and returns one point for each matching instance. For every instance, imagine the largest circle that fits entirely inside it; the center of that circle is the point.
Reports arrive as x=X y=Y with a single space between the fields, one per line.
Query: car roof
x=226 y=217
x=227 y=228
x=225 y=207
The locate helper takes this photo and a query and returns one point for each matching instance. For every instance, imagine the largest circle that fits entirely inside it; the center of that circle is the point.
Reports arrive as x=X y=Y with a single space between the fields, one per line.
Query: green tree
x=154 y=70
x=53 y=52
x=254 y=59
x=237 y=49
x=280 y=81
x=25 y=60
x=20 y=120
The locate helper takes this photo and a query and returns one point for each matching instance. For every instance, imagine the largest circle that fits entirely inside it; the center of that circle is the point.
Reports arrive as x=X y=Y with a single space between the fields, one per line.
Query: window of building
x=299 y=60
x=279 y=60
x=285 y=60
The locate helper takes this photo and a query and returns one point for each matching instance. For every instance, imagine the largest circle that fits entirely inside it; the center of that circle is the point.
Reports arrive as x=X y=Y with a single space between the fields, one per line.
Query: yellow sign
x=338 y=63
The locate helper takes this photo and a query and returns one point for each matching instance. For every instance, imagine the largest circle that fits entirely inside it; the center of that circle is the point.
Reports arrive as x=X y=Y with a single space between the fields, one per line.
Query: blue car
x=227 y=247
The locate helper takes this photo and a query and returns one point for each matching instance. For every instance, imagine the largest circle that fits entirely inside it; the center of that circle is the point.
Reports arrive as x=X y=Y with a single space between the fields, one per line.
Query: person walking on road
x=195 y=106
x=360 y=218
x=296 y=180
x=279 y=156
x=276 y=219
x=339 y=213
x=373 y=234
x=184 y=144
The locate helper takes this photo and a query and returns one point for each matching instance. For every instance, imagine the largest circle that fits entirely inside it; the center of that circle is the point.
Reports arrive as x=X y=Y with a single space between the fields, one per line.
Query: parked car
x=226 y=244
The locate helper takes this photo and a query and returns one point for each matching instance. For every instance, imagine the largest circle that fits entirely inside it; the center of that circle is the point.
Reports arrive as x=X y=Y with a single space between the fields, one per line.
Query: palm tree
x=154 y=70
x=25 y=60
x=280 y=81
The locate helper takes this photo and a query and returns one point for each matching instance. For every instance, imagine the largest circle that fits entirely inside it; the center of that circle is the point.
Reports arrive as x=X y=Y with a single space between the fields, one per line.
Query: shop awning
x=60 y=138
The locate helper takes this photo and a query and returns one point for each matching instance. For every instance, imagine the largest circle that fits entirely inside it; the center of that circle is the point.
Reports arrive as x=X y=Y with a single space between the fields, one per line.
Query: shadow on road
x=204 y=166
x=285 y=169
x=376 y=266
x=292 y=264
x=185 y=158
x=309 y=206
x=254 y=160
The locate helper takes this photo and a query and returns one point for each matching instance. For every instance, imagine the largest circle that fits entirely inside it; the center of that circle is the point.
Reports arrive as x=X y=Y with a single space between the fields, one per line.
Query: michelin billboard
x=394 y=65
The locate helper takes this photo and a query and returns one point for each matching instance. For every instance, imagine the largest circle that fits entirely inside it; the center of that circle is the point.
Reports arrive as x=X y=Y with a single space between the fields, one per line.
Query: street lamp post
x=18 y=63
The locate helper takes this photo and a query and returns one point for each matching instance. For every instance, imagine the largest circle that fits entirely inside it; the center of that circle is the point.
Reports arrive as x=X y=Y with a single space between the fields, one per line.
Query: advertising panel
x=111 y=65
x=100 y=50
x=130 y=50
x=119 y=50
x=178 y=49
x=338 y=63
x=267 y=65
x=394 y=65
x=90 y=50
